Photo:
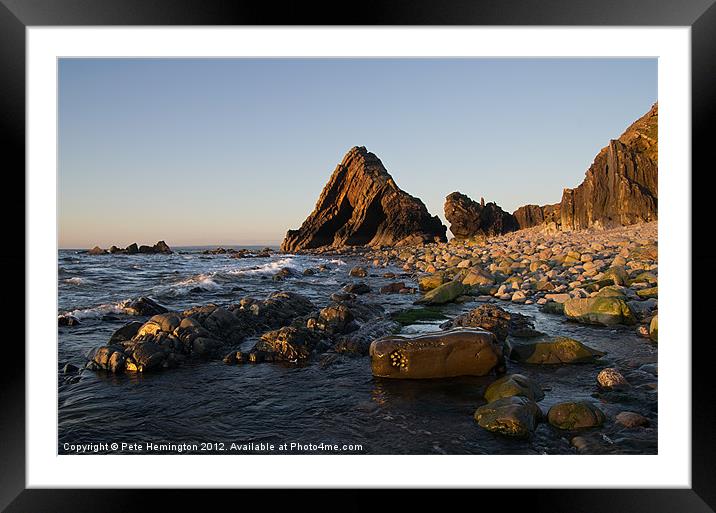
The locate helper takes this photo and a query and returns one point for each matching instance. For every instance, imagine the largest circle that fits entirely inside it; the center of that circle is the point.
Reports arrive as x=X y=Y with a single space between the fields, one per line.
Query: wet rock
x=611 y=378
x=651 y=292
x=339 y=297
x=393 y=288
x=335 y=318
x=514 y=385
x=358 y=272
x=513 y=416
x=629 y=419
x=309 y=272
x=96 y=251
x=575 y=415
x=358 y=342
x=654 y=329
x=144 y=306
x=357 y=288
x=285 y=272
x=553 y=350
x=206 y=347
x=67 y=320
x=126 y=332
x=553 y=307
x=606 y=311
x=288 y=343
x=70 y=369
x=457 y=352
x=496 y=320
x=445 y=293
x=362 y=206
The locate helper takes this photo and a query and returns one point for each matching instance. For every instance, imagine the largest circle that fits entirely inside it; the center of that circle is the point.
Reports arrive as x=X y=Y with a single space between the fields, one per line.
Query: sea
x=330 y=406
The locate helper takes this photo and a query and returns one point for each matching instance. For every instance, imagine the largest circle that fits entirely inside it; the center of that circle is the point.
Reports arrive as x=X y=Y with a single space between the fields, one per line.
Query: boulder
x=457 y=352
x=611 y=378
x=575 y=415
x=289 y=343
x=553 y=350
x=630 y=419
x=67 y=320
x=513 y=416
x=432 y=281
x=606 y=311
x=468 y=218
x=358 y=272
x=495 y=320
x=126 y=332
x=144 y=306
x=445 y=293
x=162 y=247
x=654 y=329
x=96 y=251
x=362 y=206
x=514 y=385
x=357 y=288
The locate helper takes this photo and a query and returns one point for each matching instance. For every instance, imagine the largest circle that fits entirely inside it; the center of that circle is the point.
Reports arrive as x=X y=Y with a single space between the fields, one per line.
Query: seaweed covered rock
x=602 y=310
x=457 y=352
x=553 y=350
x=575 y=415
x=514 y=385
x=445 y=293
x=513 y=416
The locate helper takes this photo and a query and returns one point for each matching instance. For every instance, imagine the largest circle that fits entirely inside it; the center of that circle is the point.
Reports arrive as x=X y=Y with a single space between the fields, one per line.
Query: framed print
x=417 y=250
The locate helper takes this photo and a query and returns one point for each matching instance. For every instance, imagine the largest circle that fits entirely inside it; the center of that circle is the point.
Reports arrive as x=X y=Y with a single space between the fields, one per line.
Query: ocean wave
x=97 y=312
x=75 y=281
x=271 y=267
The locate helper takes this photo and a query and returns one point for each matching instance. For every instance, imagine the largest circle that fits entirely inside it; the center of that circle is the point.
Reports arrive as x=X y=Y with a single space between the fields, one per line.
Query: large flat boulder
x=457 y=352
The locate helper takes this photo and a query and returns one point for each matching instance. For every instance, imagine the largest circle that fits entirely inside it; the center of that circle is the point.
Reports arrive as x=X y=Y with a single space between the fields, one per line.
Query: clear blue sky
x=236 y=151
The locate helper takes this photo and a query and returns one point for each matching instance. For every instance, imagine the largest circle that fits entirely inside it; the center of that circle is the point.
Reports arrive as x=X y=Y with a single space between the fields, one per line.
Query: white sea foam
x=270 y=267
x=97 y=312
x=75 y=281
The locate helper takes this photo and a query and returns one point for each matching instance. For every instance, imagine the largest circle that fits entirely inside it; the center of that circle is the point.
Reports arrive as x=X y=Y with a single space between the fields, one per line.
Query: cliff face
x=528 y=216
x=468 y=218
x=362 y=206
x=620 y=187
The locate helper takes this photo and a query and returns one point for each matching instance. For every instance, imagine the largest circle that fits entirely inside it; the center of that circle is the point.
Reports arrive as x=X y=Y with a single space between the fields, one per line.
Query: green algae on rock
x=445 y=293
x=513 y=416
x=514 y=385
x=575 y=415
x=606 y=311
x=554 y=350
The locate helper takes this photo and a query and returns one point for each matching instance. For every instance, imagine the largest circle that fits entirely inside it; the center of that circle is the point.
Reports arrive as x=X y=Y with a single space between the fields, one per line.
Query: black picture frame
x=16 y=15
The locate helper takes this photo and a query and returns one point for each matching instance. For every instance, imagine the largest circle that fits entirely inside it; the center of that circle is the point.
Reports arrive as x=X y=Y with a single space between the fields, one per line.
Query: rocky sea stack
x=468 y=218
x=362 y=206
x=620 y=187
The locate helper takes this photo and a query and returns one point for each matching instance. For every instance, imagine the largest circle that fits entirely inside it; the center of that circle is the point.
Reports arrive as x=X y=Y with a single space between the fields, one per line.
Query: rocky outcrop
x=160 y=247
x=620 y=187
x=534 y=215
x=362 y=206
x=468 y=218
